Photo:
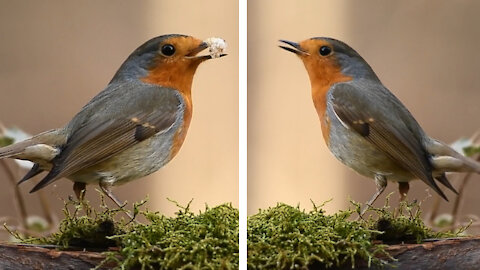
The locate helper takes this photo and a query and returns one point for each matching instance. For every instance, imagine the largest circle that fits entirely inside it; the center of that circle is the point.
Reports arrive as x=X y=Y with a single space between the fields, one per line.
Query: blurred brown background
x=425 y=52
x=56 y=55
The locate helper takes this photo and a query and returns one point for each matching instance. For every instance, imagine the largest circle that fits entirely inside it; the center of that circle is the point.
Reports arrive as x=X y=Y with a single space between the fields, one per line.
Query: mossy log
x=460 y=253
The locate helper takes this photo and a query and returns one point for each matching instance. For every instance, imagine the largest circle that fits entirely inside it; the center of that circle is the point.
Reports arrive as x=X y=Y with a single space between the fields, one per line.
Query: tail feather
x=48 y=179
x=474 y=165
x=15 y=149
x=40 y=149
x=443 y=180
x=35 y=170
x=447 y=159
x=37 y=147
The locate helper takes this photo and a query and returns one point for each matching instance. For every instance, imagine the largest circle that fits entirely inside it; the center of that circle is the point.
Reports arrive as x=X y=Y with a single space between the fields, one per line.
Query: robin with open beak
x=132 y=128
x=366 y=127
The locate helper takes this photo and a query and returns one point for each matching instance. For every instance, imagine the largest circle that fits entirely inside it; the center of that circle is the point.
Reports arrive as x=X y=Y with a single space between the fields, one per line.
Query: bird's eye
x=168 y=50
x=325 y=50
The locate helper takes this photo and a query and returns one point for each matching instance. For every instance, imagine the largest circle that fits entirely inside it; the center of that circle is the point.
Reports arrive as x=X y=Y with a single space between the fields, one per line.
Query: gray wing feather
x=378 y=116
x=112 y=122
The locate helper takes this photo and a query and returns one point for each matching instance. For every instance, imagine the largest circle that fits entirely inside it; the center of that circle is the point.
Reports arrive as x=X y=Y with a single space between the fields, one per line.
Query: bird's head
x=168 y=61
x=328 y=60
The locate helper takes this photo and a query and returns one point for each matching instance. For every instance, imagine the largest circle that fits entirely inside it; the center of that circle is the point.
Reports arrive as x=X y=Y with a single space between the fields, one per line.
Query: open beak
x=193 y=53
x=295 y=48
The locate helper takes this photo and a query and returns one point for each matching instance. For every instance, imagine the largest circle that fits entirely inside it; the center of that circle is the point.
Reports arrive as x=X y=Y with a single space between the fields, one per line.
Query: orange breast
x=322 y=76
x=181 y=133
x=177 y=75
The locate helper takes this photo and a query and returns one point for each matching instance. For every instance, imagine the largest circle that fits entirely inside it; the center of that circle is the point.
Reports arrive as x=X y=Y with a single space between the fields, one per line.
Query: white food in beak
x=216 y=46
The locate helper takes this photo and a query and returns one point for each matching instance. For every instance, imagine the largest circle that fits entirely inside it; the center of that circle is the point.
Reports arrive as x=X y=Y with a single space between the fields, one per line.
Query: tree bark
x=18 y=256
x=458 y=253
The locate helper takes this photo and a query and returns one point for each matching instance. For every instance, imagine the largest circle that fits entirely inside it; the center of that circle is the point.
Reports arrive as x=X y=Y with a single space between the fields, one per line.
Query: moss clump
x=208 y=240
x=285 y=237
x=91 y=230
x=402 y=225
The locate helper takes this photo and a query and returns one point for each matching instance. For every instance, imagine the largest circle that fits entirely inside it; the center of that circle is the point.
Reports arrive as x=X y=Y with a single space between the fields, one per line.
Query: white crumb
x=216 y=46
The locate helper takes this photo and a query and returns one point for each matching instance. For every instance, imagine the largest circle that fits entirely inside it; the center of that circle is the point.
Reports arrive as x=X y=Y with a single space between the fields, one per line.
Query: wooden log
x=458 y=253
x=19 y=256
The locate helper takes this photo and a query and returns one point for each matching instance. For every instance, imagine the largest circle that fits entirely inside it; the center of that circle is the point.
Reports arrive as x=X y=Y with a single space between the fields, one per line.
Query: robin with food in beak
x=132 y=128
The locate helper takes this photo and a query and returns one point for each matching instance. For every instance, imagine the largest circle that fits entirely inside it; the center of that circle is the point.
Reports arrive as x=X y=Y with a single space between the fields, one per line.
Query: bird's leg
x=106 y=189
x=80 y=188
x=403 y=188
x=381 y=182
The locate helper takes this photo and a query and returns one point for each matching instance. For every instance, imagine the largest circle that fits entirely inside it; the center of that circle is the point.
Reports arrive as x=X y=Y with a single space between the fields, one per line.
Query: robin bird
x=132 y=128
x=366 y=127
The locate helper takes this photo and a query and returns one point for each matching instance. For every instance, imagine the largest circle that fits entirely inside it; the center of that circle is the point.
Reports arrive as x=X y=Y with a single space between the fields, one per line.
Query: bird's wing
x=381 y=119
x=97 y=137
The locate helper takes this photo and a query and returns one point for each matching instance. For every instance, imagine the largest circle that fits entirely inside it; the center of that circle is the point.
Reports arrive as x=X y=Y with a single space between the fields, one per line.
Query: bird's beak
x=296 y=48
x=193 y=53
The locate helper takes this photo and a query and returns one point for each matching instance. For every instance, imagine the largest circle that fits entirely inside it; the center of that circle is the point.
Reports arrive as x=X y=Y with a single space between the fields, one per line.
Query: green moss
x=286 y=237
x=208 y=240
x=402 y=225
x=471 y=150
x=90 y=230
x=4 y=141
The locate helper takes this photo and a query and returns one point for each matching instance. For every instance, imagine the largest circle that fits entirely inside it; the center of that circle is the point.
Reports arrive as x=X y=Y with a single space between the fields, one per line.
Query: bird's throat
x=176 y=75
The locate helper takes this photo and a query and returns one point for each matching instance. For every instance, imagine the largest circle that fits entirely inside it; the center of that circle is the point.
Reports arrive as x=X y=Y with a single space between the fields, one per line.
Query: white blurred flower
x=461 y=143
x=443 y=220
x=37 y=224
